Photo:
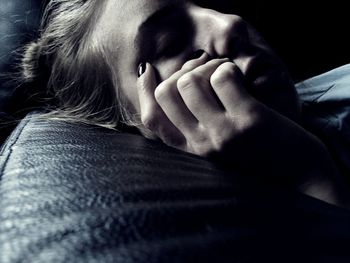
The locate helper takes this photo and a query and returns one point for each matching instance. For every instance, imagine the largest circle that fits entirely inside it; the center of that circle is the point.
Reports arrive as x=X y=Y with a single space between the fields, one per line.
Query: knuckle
x=254 y=118
x=222 y=133
x=189 y=65
x=222 y=138
x=187 y=80
x=228 y=69
x=193 y=63
x=218 y=143
x=223 y=73
x=162 y=92
x=248 y=120
x=150 y=121
x=200 y=142
x=202 y=149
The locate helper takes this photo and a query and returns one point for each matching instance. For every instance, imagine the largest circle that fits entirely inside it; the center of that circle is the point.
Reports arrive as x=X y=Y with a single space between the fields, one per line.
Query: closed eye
x=172 y=45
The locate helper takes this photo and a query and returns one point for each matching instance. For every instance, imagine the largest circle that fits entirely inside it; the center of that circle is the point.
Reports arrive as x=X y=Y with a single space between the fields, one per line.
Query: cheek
x=129 y=93
x=126 y=87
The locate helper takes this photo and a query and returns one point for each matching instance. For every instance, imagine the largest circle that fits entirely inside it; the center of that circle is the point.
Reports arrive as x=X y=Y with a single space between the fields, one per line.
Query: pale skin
x=235 y=102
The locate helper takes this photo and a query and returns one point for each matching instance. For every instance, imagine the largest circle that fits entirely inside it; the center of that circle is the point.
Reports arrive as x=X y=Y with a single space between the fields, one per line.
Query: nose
x=221 y=35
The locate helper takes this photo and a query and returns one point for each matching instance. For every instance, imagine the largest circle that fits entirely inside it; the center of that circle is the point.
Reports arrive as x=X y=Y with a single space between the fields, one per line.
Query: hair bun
x=31 y=61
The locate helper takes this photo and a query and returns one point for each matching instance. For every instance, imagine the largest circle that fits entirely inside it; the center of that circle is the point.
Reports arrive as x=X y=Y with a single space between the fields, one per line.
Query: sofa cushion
x=77 y=193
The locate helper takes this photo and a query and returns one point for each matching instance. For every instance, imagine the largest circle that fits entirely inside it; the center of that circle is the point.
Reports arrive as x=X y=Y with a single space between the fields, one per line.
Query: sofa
x=77 y=193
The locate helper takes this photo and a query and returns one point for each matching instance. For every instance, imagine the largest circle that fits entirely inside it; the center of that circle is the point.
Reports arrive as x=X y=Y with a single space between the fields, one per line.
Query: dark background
x=311 y=36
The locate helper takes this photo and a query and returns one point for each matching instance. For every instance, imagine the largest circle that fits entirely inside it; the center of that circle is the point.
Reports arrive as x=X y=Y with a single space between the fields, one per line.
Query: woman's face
x=166 y=33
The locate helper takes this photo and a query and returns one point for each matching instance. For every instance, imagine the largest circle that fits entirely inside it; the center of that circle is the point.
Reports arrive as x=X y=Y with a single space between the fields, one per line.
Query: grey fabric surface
x=75 y=193
x=326 y=112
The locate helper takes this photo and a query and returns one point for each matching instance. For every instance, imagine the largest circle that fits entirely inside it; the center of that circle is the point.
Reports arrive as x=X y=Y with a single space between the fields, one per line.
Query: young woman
x=199 y=80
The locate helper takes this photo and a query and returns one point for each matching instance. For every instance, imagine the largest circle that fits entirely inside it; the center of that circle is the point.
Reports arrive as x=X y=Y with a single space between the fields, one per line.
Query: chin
x=275 y=89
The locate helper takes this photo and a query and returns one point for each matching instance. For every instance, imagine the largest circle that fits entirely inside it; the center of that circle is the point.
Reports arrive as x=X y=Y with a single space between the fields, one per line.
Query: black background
x=311 y=37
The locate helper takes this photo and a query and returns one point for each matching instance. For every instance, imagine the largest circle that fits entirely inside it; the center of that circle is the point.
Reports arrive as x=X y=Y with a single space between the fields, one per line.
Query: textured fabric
x=75 y=193
x=326 y=111
x=7 y=124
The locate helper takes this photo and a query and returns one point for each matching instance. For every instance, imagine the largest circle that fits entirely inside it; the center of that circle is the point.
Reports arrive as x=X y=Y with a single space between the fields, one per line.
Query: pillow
x=326 y=112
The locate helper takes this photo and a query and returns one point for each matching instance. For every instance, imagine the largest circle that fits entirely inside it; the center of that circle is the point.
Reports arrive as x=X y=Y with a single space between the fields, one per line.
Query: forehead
x=120 y=19
x=131 y=10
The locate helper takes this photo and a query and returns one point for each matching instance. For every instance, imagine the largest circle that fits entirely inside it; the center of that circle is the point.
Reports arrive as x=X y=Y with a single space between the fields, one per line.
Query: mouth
x=266 y=78
x=259 y=71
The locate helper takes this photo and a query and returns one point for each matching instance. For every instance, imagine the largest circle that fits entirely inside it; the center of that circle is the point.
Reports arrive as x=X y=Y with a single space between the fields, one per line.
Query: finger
x=152 y=116
x=188 y=66
x=197 y=93
x=175 y=109
x=169 y=99
x=193 y=63
x=227 y=82
x=207 y=69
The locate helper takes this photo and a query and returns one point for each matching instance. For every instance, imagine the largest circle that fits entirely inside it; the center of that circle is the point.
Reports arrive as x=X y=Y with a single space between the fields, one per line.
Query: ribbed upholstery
x=75 y=193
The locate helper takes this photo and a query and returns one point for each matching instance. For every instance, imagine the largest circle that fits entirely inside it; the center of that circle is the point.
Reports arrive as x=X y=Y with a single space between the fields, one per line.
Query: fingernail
x=196 y=54
x=141 y=69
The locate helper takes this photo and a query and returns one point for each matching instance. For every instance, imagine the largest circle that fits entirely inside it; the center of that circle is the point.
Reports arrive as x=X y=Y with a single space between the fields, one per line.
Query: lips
x=259 y=71
x=259 y=67
x=267 y=80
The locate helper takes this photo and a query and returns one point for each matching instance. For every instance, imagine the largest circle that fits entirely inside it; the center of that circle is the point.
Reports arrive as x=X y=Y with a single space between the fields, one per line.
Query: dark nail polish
x=141 y=69
x=196 y=54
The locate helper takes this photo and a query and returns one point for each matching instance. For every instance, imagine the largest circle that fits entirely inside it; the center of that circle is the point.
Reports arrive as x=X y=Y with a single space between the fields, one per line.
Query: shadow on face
x=166 y=33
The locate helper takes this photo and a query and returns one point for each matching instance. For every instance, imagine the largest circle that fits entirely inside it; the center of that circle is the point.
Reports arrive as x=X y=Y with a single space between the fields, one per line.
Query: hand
x=199 y=108
x=204 y=109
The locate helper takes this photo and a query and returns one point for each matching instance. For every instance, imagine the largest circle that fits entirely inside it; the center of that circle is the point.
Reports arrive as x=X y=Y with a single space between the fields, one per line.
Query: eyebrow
x=145 y=31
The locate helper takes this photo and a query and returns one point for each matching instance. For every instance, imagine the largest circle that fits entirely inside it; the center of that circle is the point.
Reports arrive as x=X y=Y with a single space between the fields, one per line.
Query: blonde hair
x=73 y=75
